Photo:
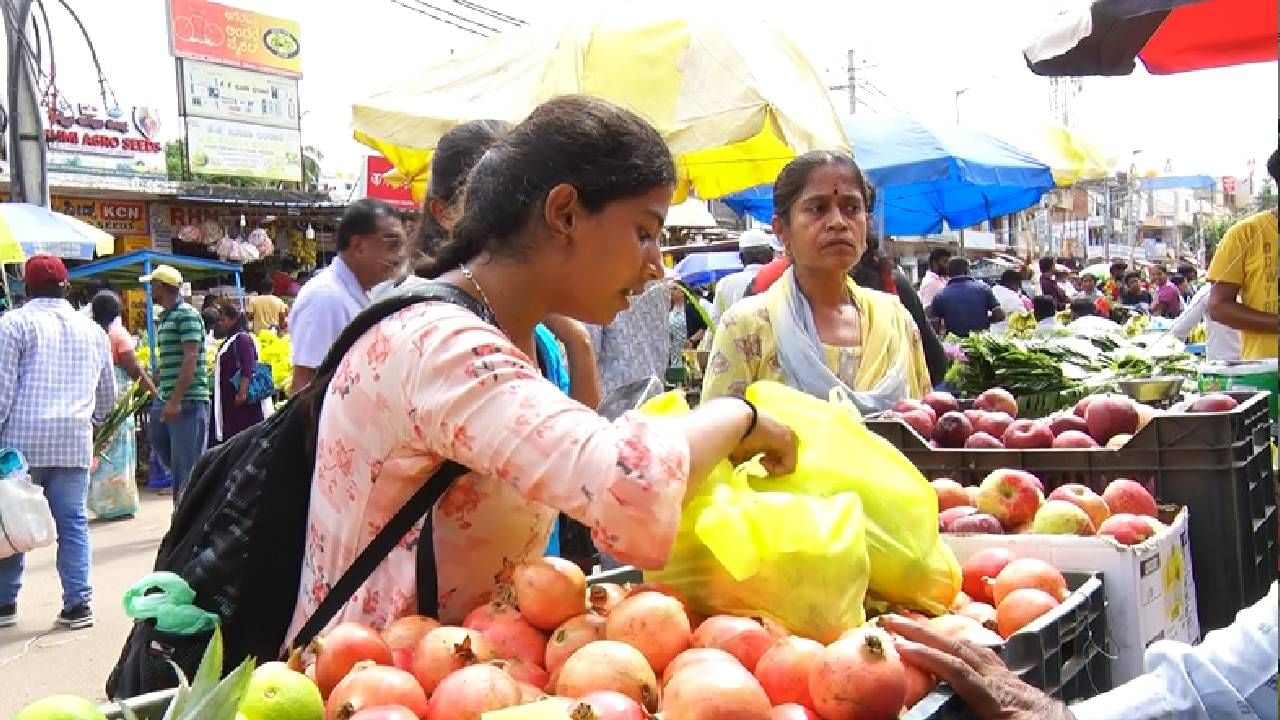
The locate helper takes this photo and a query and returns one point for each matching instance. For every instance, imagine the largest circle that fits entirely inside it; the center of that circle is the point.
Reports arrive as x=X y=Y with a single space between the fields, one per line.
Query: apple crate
x=1217 y=464
x=1063 y=653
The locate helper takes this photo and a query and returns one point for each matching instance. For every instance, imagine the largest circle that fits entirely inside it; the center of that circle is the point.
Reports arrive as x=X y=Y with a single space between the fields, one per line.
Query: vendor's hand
x=975 y=673
x=772 y=439
x=172 y=409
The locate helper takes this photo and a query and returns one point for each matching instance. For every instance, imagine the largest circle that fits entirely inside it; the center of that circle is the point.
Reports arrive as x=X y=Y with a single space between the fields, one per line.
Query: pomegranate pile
x=612 y=652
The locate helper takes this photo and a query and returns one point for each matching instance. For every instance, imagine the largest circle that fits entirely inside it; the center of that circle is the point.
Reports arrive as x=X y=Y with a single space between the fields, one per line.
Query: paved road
x=36 y=657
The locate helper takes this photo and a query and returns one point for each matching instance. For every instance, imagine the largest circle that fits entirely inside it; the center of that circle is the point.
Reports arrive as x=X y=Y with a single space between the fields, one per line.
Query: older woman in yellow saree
x=814 y=329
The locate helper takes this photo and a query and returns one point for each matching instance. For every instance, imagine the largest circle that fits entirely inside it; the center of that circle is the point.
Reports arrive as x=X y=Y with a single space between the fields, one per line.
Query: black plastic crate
x=1063 y=653
x=1217 y=465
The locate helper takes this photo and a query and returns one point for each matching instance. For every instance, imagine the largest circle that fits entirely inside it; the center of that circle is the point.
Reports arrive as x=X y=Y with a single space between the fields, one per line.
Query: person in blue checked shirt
x=56 y=381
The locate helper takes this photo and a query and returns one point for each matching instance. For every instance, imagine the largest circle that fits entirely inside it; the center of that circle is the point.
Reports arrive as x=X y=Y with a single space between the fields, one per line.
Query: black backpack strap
x=418 y=506
x=422 y=501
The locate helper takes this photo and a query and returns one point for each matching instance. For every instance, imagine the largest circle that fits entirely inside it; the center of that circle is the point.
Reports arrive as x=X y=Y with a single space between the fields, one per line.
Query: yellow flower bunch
x=275 y=351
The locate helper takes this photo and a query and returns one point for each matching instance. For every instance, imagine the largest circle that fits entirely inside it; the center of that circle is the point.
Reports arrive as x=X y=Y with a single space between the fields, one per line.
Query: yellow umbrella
x=732 y=96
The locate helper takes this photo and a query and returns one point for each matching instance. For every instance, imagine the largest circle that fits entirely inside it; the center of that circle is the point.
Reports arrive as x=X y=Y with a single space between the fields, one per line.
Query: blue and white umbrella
x=27 y=230
x=704 y=268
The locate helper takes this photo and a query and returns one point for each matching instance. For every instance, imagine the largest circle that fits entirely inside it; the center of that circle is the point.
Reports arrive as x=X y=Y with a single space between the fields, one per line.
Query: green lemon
x=60 y=707
x=278 y=693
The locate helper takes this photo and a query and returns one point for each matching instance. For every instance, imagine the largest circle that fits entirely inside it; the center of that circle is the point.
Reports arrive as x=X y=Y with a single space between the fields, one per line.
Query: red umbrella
x=1169 y=36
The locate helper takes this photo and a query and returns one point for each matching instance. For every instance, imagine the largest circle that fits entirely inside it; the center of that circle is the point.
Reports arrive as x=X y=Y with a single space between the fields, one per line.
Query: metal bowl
x=1152 y=390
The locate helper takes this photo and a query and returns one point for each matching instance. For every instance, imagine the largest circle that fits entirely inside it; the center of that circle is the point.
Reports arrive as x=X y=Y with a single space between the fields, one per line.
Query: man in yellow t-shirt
x=265 y=310
x=1244 y=274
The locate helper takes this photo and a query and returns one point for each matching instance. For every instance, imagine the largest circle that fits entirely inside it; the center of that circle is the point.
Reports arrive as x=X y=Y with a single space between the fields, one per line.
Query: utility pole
x=853 y=84
x=29 y=179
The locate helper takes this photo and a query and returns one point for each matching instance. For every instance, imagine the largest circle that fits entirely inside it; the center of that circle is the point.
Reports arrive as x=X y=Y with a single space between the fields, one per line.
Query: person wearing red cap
x=56 y=381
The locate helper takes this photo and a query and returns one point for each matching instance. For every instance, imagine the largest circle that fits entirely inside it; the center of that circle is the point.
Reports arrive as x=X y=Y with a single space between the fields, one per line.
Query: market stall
x=124 y=271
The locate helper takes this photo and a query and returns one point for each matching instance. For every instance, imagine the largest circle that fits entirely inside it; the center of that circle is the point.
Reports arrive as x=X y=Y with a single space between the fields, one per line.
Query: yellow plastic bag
x=910 y=565
x=797 y=559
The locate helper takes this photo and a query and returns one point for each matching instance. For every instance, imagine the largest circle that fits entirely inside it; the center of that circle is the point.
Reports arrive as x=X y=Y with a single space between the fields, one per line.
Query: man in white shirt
x=756 y=248
x=1222 y=343
x=1008 y=293
x=370 y=242
x=936 y=278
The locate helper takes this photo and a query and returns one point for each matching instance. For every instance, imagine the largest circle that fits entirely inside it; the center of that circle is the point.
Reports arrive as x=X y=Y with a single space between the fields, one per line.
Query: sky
x=913 y=57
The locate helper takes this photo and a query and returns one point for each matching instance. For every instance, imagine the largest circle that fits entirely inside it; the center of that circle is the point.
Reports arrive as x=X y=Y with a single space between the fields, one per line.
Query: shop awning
x=127 y=268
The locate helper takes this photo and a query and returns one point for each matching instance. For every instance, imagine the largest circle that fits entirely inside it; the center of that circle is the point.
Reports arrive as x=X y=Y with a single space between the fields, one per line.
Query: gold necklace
x=466 y=273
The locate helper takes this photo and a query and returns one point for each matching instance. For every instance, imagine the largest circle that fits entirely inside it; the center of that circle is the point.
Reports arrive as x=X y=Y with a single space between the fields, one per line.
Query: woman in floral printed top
x=577 y=192
x=815 y=329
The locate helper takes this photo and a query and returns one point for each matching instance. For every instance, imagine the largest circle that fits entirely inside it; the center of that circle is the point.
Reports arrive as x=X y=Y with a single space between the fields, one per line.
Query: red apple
x=1082 y=406
x=1125 y=496
x=1127 y=529
x=981 y=569
x=983 y=441
x=920 y=420
x=1213 y=402
x=1011 y=496
x=1062 y=423
x=977 y=523
x=952 y=430
x=1074 y=439
x=942 y=402
x=950 y=493
x=994 y=423
x=1084 y=498
x=971 y=491
x=975 y=416
x=997 y=400
x=1059 y=517
x=950 y=515
x=1111 y=415
x=1028 y=435
x=908 y=404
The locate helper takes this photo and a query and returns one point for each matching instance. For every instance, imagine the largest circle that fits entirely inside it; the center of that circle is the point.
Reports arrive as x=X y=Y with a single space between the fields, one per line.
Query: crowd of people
x=553 y=228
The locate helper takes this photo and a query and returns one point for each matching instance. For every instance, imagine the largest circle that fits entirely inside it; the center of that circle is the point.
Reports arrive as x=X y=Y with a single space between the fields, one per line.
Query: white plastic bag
x=26 y=523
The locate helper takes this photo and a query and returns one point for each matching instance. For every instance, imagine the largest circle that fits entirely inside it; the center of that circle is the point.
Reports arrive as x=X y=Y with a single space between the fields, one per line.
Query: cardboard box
x=1149 y=587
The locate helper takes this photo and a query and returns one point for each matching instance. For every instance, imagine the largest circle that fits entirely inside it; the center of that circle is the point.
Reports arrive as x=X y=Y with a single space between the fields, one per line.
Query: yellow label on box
x=541 y=710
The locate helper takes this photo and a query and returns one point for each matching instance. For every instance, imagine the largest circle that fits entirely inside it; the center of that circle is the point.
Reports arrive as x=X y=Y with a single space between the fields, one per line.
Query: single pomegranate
x=982 y=567
x=783 y=671
x=1029 y=573
x=573 y=634
x=469 y=693
x=919 y=684
x=549 y=591
x=445 y=650
x=715 y=691
x=529 y=693
x=402 y=635
x=964 y=628
x=508 y=632
x=792 y=711
x=602 y=597
x=743 y=638
x=385 y=712
x=609 y=665
x=1020 y=607
x=696 y=656
x=694 y=619
x=524 y=672
x=983 y=613
x=859 y=678
x=369 y=685
x=344 y=646
x=607 y=705
x=654 y=624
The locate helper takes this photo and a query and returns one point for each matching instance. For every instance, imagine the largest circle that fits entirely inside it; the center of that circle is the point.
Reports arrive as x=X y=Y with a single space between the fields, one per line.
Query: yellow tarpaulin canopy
x=734 y=98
